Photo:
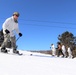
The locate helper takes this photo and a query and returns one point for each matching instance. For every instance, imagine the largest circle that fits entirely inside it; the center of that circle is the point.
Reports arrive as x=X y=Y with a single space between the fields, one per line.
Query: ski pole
x=17 y=38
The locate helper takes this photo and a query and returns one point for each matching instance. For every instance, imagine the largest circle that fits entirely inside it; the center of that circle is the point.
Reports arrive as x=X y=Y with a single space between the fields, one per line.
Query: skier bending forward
x=9 y=26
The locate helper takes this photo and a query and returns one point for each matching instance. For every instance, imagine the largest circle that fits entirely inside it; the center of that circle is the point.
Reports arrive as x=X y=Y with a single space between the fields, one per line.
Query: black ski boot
x=4 y=50
x=15 y=51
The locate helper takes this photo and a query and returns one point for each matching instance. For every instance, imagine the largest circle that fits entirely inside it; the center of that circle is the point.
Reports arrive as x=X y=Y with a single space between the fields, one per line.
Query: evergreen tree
x=67 y=39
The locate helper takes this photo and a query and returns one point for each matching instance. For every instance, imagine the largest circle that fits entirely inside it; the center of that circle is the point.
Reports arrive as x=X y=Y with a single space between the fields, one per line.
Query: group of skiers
x=9 y=26
x=61 y=49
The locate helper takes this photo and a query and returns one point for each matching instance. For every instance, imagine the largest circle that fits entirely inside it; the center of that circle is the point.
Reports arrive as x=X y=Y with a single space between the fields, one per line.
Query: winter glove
x=20 y=34
x=7 y=31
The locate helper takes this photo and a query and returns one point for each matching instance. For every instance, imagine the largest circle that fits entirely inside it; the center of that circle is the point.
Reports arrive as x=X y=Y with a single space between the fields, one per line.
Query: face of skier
x=15 y=17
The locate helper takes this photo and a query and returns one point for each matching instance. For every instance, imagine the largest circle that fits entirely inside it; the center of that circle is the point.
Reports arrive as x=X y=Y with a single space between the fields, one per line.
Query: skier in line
x=9 y=26
x=60 y=49
x=69 y=52
x=64 y=50
x=53 y=50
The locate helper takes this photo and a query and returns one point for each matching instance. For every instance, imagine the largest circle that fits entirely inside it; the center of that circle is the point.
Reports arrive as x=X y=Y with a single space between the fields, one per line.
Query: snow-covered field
x=37 y=64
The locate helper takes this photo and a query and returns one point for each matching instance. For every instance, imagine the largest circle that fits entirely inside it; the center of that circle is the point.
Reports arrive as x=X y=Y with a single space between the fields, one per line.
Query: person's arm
x=5 y=25
x=17 y=30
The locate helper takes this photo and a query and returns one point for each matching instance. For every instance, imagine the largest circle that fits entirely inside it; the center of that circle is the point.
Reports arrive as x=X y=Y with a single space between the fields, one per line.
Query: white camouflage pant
x=8 y=38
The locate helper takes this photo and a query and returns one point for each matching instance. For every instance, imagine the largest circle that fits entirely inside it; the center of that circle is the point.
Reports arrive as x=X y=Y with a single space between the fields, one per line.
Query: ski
x=20 y=54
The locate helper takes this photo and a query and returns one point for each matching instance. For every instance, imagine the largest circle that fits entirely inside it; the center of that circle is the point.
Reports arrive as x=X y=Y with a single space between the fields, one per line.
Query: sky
x=40 y=21
x=38 y=64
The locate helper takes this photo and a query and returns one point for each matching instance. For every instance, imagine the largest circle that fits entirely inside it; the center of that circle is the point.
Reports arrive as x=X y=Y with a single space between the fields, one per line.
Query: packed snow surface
x=37 y=64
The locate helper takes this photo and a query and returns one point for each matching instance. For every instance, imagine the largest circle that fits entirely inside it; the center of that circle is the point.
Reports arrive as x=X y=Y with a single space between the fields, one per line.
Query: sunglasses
x=17 y=15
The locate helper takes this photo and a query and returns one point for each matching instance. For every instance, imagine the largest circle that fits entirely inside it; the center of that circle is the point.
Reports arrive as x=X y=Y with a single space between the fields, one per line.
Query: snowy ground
x=38 y=64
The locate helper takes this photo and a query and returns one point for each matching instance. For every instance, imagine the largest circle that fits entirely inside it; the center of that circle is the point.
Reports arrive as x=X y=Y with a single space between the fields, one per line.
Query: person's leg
x=4 y=44
x=70 y=54
x=65 y=54
x=13 y=44
x=58 y=53
x=62 y=53
x=53 y=53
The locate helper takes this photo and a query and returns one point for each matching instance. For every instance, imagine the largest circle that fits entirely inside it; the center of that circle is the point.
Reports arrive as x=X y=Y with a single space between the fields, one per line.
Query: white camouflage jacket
x=10 y=25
